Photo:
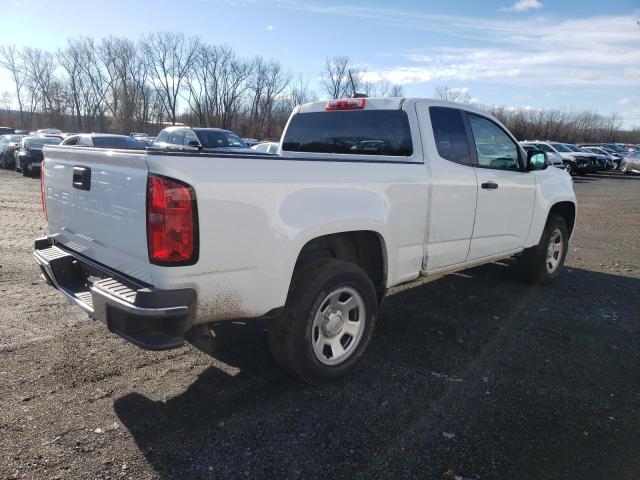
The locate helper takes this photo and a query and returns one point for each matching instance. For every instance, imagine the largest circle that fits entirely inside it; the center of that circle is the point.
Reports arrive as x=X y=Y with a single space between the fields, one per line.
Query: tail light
x=345 y=104
x=172 y=222
x=43 y=195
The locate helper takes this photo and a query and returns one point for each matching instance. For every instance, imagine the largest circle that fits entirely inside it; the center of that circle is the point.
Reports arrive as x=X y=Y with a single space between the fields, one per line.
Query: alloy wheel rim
x=554 y=251
x=338 y=326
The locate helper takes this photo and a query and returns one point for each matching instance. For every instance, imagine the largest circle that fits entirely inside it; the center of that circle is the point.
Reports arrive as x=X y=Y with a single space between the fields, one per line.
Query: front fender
x=553 y=186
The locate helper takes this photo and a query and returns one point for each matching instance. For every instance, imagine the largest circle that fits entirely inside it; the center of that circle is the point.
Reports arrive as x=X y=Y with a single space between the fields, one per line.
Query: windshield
x=573 y=148
x=219 y=139
x=559 y=147
x=36 y=143
x=14 y=138
x=545 y=148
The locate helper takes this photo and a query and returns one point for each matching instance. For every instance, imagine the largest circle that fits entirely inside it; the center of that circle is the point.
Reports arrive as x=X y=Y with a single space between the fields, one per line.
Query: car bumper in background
x=150 y=318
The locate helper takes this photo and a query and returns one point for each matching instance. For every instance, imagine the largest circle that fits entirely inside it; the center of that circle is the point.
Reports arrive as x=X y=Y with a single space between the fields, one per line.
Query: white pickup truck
x=364 y=194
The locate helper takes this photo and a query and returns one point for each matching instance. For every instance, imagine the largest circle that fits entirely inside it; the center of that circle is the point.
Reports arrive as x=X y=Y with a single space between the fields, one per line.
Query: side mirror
x=193 y=143
x=537 y=160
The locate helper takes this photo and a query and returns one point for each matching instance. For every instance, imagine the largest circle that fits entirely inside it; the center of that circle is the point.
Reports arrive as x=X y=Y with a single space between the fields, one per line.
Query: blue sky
x=521 y=53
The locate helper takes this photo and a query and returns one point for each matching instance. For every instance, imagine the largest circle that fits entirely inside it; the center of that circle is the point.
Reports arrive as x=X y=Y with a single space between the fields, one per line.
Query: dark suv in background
x=202 y=139
x=29 y=156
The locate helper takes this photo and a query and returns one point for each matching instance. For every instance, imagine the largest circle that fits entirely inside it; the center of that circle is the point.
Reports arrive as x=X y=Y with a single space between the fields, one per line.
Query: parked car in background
x=251 y=141
x=631 y=163
x=611 y=148
x=6 y=130
x=8 y=146
x=201 y=139
x=609 y=157
x=553 y=157
x=598 y=162
x=28 y=156
x=267 y=147
x=48 y=131
x=104 y=140
x=142 y=137
x=573 y=163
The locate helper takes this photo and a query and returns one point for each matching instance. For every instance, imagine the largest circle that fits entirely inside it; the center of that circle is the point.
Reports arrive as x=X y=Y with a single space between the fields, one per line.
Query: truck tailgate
x=96 y=205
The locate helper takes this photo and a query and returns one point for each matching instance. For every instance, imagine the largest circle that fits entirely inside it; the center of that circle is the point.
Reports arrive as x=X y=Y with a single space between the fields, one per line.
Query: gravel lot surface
x=476 y=375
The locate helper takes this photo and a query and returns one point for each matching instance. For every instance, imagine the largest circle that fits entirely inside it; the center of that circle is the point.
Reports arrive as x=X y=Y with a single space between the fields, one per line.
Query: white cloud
x=624 y=101
x=523 y=6
x=599 y=51
x=271 y=28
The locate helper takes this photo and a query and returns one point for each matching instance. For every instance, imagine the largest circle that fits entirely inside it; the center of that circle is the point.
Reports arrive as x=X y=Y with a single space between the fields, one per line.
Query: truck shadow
x=439 y=351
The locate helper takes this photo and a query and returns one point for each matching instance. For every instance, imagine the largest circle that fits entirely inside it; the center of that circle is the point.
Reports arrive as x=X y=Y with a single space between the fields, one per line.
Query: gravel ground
x=476 y=375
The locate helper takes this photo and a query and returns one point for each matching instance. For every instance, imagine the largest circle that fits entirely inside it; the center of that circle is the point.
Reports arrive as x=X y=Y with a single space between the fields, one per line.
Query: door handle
x=82 y=178
x=489 y=185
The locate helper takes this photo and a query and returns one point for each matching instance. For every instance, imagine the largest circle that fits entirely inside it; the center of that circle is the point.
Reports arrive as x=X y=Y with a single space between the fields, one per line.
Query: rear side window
x=450 y=134
x=362 y=132
x=117 y=142
x=178 y=137
x=163 y=136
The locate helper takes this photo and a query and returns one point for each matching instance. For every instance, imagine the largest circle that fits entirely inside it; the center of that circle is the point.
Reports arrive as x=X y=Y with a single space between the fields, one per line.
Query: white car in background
x=554 y=159
x=267 y=147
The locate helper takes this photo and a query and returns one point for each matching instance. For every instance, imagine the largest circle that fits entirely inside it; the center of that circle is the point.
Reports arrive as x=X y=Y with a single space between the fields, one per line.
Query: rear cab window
x=359 y=132
x=450 y=134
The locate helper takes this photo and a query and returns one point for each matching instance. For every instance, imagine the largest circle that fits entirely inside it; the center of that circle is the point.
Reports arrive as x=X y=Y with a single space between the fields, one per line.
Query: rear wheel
x=625 y=169
x=542 y=264
x=327 y=323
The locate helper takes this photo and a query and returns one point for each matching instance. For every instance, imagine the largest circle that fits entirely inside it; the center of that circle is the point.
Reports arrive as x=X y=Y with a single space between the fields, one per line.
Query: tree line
x=118 y=85
x=570 y=126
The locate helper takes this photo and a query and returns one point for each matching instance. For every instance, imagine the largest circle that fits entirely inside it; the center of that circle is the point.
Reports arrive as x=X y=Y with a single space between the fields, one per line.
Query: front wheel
x=542 y=264
x=327 y=323
x=568 y=168
x=624 y=170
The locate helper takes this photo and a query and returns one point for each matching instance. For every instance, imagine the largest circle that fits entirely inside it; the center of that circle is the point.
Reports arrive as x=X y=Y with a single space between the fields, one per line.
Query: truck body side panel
x=256 y=215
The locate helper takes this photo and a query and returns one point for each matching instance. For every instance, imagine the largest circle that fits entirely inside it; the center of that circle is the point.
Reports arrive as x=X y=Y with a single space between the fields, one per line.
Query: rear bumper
x=150 y=318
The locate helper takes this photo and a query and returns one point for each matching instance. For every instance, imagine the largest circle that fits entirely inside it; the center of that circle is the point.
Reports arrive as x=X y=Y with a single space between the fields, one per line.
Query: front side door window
x=494 y=148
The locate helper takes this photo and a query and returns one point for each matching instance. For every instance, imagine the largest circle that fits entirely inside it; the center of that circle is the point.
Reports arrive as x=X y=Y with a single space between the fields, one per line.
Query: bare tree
x=335 y=79
x=396 y=91
x=458 y=95
x=268 y=81
x=170 y=58
x=10 y=60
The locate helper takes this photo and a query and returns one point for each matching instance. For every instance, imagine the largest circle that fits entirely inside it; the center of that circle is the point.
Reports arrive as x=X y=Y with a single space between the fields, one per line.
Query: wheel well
x=566 y=210
x=364 y=248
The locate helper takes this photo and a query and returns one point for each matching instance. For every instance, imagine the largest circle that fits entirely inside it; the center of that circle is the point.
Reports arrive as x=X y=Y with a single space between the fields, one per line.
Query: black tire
x=3 y=164
x=291 y=334
x=533 y=262
x=25 y=171
x=568 y=168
